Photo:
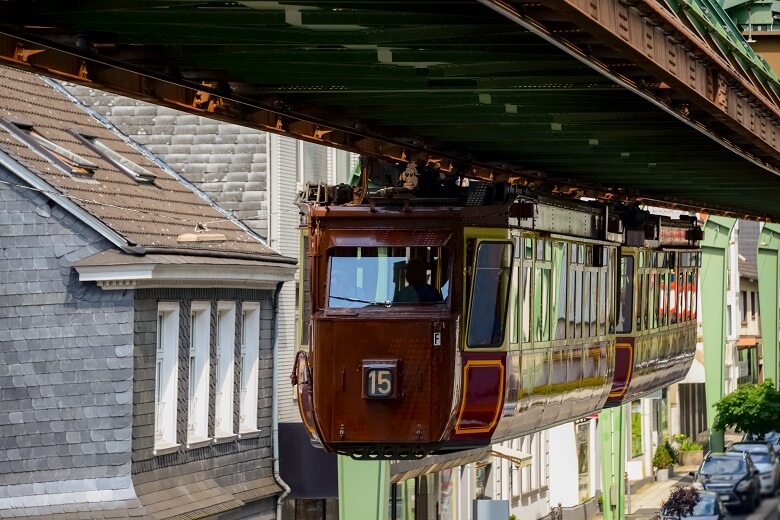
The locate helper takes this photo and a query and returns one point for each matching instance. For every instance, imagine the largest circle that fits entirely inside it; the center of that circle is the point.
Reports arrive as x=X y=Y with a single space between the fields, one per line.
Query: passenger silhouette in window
x=418 y=290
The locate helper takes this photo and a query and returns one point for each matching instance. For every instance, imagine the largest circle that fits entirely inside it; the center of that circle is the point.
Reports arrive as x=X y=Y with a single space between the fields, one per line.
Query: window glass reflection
x=388 y=276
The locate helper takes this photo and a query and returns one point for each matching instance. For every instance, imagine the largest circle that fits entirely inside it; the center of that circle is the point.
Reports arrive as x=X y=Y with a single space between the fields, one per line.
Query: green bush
x=685 y=444
x=689 y=445
x=512 y=517
x=664 y=456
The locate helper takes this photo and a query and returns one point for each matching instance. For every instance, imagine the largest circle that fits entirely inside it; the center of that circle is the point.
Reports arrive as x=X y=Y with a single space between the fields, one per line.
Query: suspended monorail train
x=438 y=325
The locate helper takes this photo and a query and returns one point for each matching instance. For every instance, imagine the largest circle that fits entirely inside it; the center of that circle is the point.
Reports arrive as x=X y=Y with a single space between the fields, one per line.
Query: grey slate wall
x=230 y=464
x=66 y=363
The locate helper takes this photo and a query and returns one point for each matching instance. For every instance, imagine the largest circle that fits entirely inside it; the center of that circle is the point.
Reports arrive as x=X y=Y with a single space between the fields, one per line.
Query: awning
x=518 y=457
x=747 y=342
x=405 y=470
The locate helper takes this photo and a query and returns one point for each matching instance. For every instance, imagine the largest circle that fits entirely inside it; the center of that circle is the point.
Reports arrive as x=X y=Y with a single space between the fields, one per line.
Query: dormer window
x=137 y=173
x=59 y=155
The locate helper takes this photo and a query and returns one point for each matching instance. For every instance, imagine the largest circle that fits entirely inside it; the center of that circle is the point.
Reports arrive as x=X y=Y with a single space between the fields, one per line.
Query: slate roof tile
x=152 y=216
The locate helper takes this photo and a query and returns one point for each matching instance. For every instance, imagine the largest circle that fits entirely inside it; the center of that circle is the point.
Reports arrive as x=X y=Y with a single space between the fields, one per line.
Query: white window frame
x=166 y=376
x=225 y=365
x=198 y=399
x=514 y=471
x=250 y=366
x=525 y=473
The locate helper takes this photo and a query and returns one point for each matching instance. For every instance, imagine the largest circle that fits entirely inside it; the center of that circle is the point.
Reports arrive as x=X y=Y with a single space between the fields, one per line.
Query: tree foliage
x=750 y=408
x=681 y=502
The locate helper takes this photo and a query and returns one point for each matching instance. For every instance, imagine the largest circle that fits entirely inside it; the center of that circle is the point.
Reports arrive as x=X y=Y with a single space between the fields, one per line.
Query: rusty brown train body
x=437 y=327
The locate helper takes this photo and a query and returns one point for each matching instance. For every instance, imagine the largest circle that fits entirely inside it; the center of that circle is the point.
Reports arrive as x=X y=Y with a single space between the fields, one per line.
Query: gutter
x=71 y=207
x=275 y=406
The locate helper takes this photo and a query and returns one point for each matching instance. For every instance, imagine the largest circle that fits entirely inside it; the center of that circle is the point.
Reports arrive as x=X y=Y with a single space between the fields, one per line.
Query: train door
x=626 y=326
x=488 y=257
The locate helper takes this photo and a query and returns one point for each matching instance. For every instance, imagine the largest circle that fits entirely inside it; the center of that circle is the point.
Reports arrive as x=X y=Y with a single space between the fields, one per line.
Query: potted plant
x=663 y=461
x=689 y=453
x=600 y=501
x=680 y=503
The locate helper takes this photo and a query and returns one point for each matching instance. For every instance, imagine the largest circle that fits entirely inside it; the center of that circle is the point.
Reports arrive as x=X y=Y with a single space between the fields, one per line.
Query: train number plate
x=380 y=379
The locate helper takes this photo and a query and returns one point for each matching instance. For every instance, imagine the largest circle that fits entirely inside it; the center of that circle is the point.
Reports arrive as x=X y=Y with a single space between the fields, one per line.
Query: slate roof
x=151 y=216
x=748 y=248
x=747 y=270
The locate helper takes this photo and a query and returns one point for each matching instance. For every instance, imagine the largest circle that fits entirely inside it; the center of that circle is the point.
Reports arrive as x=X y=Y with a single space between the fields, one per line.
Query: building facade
x=136 y=328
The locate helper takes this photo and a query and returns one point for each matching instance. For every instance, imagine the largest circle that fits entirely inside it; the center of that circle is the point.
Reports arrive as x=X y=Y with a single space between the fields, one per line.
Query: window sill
x=533 y=492
x=198 y=442
x=222 y=437
x=165 y=448
x=249 y=434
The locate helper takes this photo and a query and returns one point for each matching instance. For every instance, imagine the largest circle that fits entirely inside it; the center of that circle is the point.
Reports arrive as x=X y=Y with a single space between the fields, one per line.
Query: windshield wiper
x=357 y=300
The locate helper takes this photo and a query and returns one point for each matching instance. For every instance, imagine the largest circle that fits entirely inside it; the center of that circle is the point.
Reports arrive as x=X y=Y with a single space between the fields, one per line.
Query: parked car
x=709 y=507
x=733 y=476
x=772 y=437
x=765 y=459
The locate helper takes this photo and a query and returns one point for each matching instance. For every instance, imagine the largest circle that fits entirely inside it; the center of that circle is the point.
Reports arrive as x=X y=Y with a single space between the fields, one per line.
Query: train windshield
x=388 y=276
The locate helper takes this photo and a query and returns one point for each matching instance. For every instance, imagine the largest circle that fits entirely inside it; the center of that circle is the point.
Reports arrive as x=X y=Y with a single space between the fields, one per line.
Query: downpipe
x=275 y=405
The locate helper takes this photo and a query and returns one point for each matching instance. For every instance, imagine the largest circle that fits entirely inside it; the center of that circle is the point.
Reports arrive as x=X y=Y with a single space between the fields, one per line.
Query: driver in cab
x=418 y=290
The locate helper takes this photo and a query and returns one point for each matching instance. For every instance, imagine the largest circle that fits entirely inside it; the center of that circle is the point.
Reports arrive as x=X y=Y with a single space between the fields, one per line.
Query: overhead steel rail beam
x=660 y=102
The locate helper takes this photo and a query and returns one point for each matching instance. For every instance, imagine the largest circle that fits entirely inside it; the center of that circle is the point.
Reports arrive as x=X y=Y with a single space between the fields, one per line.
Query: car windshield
x=758 y=452
x=723 y=466
x=705 y=506
x=771 y=437
x=388 y=276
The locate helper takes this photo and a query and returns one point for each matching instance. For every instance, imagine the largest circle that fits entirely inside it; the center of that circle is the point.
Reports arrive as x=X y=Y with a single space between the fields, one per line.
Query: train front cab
x=656 y=328
x=383 y=339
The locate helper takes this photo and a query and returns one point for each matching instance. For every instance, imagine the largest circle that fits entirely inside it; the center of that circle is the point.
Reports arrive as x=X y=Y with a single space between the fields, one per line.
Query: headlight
x=697 y=485
x=744 y=485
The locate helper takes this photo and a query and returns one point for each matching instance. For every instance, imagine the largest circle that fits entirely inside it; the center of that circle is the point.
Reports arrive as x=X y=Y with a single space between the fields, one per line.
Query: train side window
x=684 y=299
x=626 y=309
x=490 y=294
x=593 y=303
x=694 y=294
x=664 y=300
x=673 y=291
x=528 y=249
x=560 y=274
x=514 y=306
x=611 y=310
x=646 y=301
x=542 y=304
x=578 y=290
x=690 y=294
x=602 y=317
x=525 y=316
x=572 y=301
x=652 y=301
x=681 y=295
x=639 y=302
x=587 y=301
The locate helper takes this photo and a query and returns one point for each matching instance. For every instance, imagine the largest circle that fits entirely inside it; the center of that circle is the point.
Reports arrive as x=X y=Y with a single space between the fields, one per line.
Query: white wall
x=564 y=486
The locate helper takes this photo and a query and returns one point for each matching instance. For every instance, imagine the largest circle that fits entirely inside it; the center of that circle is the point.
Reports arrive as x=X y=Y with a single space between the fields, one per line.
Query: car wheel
x=749 y=505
